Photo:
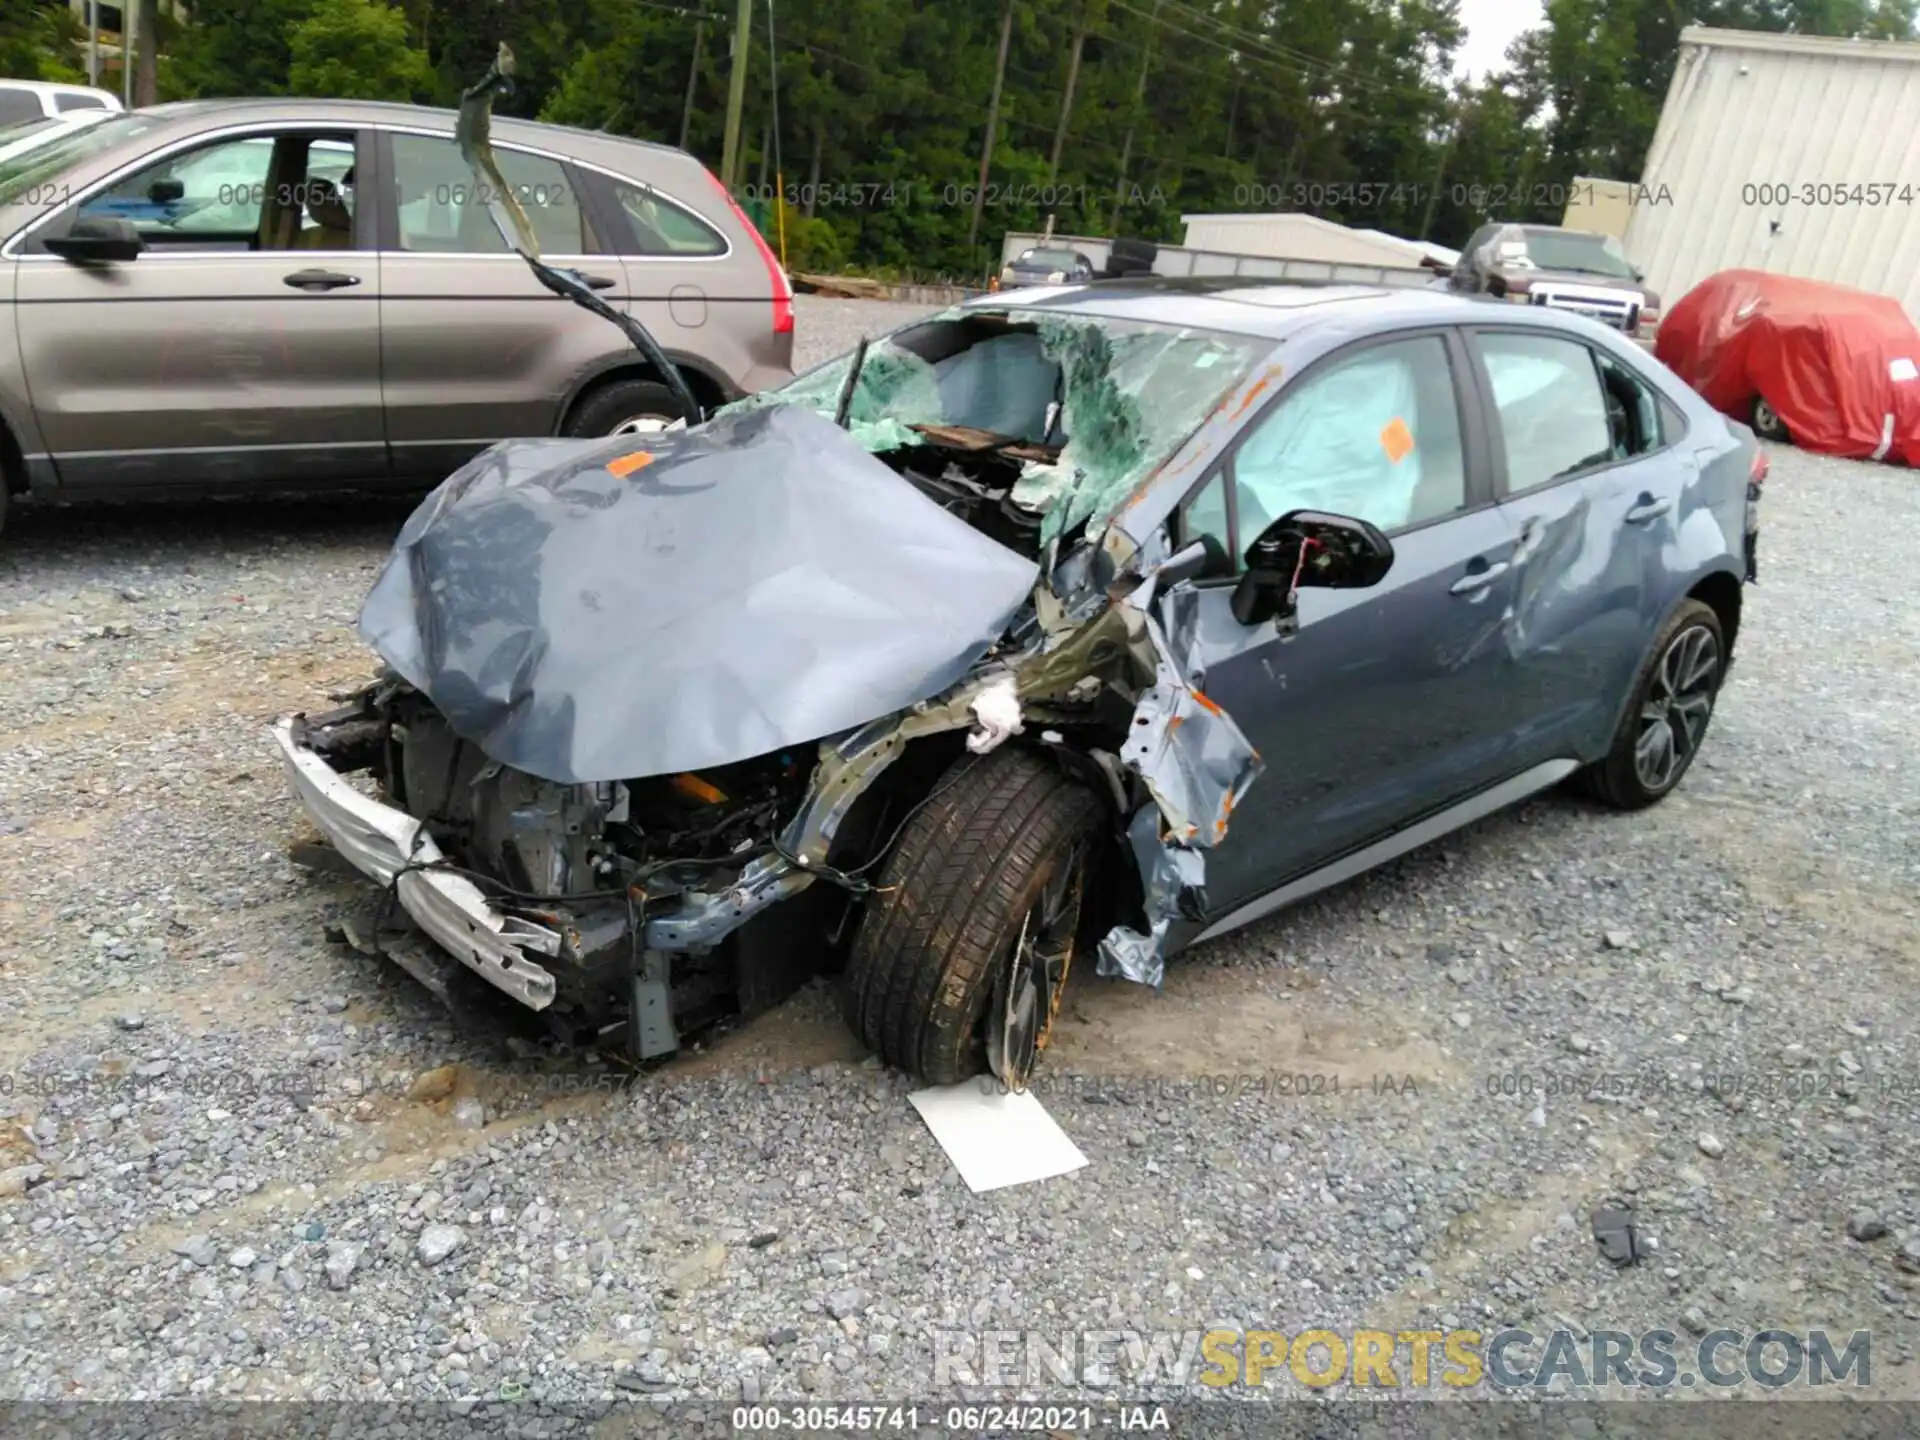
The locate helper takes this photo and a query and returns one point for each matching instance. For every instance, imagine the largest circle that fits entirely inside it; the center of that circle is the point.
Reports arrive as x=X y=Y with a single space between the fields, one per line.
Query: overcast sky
x=1491 y=27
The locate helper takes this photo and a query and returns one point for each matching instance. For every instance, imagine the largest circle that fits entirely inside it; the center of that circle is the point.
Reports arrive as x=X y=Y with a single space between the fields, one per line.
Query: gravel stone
x=1865 y=1225
x=437 y=1242
x=197 y=1248
x=343 y=1258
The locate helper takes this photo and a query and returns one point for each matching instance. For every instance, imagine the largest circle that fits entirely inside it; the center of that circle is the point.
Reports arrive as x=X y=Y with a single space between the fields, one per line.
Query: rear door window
x=64 y=102
x=443 y=207
x=1553 y=412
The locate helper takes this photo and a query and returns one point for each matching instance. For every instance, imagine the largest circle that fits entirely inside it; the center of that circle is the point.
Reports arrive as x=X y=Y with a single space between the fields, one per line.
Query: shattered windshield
x=1099 y=402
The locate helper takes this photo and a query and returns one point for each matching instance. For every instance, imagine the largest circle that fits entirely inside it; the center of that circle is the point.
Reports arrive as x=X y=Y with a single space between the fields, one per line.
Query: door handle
x=1474 y=581
x=320 y=280
x=596 y=282
x=1647 y=508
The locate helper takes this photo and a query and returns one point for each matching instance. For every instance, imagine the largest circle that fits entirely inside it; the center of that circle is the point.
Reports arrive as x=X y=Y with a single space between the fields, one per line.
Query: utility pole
x=1439 y=174
x=1066 y=105
x=93 y=42
x=993 y=123
x=146 y=80
x=127 y=8
x=736 y=93
x=693 y=74
x=1139 y=95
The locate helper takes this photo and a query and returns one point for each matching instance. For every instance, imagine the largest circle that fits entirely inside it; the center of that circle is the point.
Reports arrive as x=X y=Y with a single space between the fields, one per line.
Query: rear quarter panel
x=735 y=334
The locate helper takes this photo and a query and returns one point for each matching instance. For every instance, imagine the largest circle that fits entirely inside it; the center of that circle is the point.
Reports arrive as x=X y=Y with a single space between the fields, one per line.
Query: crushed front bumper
x=384 y=844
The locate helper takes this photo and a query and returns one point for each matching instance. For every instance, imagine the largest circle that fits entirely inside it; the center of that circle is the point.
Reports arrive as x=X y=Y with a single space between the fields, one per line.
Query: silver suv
x=222 y=295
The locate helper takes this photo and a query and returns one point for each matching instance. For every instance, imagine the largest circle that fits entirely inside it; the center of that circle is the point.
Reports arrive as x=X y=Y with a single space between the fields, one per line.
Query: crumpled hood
x=589 y=610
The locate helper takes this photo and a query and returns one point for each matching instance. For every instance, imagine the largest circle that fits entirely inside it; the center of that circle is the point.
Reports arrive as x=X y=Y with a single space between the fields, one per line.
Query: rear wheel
x=962 y=955
x=1666 y=722
x=626 y=407
x=1767 y=424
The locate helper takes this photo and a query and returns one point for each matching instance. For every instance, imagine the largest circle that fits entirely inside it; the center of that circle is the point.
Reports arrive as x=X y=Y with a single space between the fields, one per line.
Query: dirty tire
x=1617 y=780
x=605 y=410
x=1767 y=423
x=953 y=894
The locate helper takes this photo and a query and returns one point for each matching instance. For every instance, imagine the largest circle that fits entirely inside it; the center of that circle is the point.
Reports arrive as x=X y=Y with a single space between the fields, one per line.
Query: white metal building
x=1791 y=153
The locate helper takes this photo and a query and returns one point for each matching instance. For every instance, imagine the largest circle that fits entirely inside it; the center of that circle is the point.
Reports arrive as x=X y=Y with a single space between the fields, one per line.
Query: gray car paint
x=1470 y=661
x=208 y=370
x=757 y=582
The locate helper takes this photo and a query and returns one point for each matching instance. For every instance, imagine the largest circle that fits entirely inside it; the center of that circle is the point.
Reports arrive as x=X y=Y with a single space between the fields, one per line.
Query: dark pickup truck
x=1574 y=270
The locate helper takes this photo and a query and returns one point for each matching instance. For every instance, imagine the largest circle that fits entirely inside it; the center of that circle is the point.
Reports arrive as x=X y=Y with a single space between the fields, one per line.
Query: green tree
x=237 y=47
x=356 y=50
x=39 y=42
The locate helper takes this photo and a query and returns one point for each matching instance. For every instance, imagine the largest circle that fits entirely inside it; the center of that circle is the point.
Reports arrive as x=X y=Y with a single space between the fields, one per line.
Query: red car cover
x=1840 y=367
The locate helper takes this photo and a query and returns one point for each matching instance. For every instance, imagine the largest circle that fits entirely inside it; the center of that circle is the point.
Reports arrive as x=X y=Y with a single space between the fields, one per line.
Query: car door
x=240 y=347
x=473 y=349
x=1386 y=703
x=1591 y=482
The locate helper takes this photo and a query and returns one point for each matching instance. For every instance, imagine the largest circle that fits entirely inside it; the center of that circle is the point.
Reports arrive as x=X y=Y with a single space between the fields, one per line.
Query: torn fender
x=1196 y=764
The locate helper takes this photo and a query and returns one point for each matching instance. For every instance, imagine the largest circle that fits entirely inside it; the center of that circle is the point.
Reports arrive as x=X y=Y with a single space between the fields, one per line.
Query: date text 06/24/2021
x=991 y=1419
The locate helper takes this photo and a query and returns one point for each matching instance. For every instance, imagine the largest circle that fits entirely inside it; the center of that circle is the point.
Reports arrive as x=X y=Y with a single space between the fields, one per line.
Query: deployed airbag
x=609 y=609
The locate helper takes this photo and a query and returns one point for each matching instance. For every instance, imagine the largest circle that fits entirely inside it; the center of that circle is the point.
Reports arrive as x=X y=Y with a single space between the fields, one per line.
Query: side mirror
x=1205 y=556
x=165 y=192
x=97 y=239
x=1307 y=547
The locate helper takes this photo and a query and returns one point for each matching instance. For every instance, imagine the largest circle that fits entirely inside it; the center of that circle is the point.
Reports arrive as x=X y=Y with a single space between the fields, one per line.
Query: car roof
x=52 y=87
x=1268 y=309
x=195 y=113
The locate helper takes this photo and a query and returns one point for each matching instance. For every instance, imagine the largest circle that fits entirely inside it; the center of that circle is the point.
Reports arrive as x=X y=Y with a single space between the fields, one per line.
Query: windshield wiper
x=473 y=130
x=844 y=406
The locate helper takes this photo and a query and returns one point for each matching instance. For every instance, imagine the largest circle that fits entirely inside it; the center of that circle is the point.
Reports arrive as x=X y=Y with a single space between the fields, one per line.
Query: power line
x=1252 y=39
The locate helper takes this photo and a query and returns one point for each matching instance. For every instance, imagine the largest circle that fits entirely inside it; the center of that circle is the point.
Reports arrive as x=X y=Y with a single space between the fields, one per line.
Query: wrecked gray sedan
x=947 y=666
x=949 y=663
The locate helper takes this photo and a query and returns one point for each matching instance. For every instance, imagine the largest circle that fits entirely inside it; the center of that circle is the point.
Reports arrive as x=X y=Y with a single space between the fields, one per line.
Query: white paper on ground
x=996 y=1139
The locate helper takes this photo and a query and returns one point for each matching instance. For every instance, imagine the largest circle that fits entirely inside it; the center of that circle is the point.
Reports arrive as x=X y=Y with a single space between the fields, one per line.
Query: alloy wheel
x=642 y=425
x=1026 y=993
x=1676 y=707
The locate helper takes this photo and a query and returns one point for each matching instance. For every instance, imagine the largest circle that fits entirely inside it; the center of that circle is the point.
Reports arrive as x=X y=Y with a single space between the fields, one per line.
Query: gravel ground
x=242 y=1160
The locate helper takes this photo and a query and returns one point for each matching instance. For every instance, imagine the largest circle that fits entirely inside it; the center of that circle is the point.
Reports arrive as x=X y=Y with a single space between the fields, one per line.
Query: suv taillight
x=782 y=291
x=1757 y=471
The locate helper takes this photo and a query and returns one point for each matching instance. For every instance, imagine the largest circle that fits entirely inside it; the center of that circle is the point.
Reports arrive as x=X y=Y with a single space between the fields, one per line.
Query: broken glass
x=1118 y=396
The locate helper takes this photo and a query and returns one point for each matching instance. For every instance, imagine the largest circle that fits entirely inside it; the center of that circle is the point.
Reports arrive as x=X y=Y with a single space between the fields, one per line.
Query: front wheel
x=1666 y=720
x=963 y=953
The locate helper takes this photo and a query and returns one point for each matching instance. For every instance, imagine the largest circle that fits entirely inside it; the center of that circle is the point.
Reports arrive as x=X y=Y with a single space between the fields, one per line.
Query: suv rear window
x=18 y=105
x=660 y=227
